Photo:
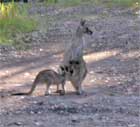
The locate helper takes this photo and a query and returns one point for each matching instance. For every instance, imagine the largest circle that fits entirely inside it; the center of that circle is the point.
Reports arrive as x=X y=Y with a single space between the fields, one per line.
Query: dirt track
x=112 y=84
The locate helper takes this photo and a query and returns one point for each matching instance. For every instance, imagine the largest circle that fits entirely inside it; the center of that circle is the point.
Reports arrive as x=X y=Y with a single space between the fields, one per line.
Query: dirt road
x=112 y=84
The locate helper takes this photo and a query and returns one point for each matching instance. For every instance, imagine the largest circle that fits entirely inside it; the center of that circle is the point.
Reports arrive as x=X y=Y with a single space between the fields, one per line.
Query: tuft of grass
x=14 y=19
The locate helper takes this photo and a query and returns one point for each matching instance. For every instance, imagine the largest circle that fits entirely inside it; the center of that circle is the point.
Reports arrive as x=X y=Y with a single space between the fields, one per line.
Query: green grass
x=9 y=27
x=64 y=3
x=14 y=20
x=124 y=3
x=70 y=2
x=67 y=3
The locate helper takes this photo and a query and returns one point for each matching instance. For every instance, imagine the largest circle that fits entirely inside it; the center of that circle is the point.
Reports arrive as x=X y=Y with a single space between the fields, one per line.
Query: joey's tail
x=15 y=94
x=36 y=81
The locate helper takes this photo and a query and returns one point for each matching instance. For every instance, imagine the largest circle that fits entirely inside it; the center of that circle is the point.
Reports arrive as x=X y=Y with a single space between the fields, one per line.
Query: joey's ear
x=62 y=68
x=82 y=22
x=66 y=68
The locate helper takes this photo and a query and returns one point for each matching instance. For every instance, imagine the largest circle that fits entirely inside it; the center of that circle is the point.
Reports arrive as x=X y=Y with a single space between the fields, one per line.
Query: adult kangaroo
x=73 y=57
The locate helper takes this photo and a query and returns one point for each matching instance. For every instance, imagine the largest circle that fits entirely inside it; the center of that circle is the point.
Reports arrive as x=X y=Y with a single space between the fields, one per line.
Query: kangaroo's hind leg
x=77 y=85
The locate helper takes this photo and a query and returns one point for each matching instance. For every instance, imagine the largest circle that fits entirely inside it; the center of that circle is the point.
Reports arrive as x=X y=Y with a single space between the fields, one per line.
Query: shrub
x=14 y=19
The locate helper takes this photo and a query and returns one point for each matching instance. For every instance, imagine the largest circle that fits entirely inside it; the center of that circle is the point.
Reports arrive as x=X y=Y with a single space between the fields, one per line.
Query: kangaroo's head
x=83 y=29
x=75 y=66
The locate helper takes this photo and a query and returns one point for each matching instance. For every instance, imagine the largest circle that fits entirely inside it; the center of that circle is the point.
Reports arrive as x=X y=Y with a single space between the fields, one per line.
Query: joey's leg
x=62 y=92
x=57 y=89
x=47 y=92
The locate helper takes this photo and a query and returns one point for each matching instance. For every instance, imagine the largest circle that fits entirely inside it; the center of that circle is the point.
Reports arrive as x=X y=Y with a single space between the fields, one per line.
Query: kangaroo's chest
x=74 y=51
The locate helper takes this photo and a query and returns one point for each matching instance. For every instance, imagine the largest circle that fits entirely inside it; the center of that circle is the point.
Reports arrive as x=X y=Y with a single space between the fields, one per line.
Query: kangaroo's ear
x=82 y=22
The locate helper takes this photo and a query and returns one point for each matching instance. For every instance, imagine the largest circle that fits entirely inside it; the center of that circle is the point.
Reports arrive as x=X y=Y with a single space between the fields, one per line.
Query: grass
x=63 y=3
x=13 y=20
x=70 y=3
x=11 y=26
x=67 y=3
x=124 y=3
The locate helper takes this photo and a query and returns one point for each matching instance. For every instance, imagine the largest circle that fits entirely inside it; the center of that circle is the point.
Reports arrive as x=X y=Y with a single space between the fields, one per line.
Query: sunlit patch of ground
x=97 y=56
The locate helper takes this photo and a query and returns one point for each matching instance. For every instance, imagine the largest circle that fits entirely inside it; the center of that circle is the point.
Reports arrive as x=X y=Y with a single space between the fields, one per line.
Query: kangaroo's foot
x=79 y=92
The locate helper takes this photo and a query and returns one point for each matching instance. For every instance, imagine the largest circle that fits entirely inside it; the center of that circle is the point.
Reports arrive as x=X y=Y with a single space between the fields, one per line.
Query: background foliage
x=14 y=19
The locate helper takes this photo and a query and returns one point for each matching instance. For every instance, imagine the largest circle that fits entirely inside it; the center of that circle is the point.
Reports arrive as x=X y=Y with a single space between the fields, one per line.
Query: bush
x=13 y=20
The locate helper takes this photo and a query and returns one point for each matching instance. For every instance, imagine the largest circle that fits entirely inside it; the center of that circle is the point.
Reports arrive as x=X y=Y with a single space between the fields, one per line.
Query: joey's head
x=62 y=71
x=65 y=71
x=83 y=29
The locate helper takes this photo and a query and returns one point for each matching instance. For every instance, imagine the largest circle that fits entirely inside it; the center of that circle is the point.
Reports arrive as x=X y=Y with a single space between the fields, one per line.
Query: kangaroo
x=73 y=57
x=75 y=49
x=49 y=77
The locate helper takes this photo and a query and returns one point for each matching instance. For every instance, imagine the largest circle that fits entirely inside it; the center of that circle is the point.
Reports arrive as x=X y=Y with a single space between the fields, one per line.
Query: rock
x=132 y=125
x=38 y=123
x=75 y=119
x=15 y=124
